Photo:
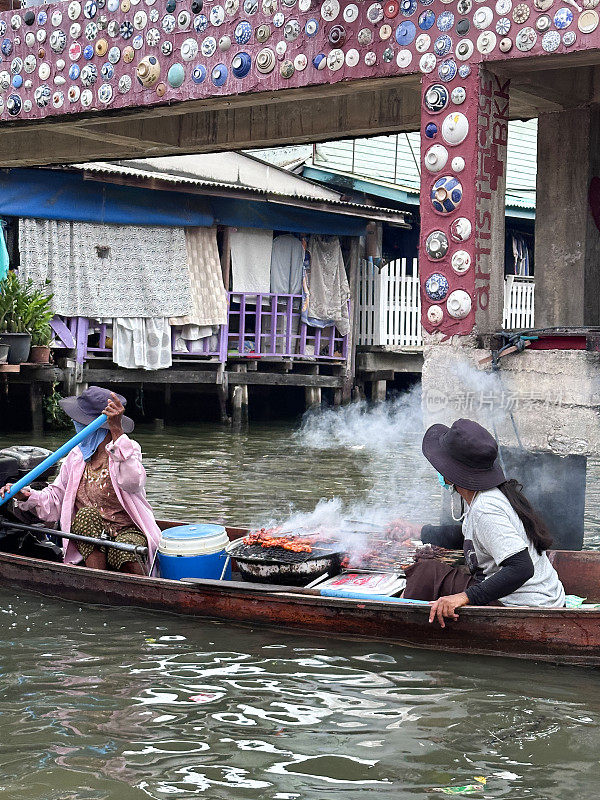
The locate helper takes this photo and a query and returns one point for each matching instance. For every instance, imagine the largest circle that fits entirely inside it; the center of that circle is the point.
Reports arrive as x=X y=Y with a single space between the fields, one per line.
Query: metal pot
x=284 y=567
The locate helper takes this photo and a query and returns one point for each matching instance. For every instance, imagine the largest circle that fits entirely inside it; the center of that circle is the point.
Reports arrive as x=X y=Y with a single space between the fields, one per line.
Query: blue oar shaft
x=52 y=459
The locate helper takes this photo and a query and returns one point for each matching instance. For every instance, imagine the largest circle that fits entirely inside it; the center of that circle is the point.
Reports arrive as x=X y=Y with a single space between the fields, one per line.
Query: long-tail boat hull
x=565 y=636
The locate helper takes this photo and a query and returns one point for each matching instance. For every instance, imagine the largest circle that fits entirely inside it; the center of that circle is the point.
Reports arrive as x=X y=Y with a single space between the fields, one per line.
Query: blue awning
x=54 y=194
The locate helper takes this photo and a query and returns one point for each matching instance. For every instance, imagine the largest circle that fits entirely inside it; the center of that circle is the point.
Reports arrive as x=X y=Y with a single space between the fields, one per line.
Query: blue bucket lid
x=196 y=531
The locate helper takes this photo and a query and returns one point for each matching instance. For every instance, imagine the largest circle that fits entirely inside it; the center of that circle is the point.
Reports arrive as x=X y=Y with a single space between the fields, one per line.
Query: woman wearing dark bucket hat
x=504 y=541
x=100 y=487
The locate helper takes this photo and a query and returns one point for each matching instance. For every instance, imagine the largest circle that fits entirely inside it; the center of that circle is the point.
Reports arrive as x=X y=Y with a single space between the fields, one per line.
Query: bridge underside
x=311 y=114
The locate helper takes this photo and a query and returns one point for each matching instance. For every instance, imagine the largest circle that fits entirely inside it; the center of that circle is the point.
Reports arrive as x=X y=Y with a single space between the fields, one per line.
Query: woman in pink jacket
x=100 y=488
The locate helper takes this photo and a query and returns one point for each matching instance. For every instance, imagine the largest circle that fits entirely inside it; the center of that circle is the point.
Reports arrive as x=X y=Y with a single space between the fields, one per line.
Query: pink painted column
x=464 y=128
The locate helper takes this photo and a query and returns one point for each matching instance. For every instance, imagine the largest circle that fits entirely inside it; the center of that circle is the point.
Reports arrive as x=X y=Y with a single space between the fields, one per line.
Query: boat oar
x=52 y=459
x=124 y=546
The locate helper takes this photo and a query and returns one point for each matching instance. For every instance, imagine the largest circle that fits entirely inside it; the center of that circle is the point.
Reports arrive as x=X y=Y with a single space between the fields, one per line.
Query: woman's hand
x=22 y=495
x=446 y=607
x=114 y=411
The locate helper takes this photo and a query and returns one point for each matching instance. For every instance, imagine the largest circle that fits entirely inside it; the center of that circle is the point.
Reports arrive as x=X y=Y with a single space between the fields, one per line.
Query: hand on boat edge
x=22 y=495
x=446 y=607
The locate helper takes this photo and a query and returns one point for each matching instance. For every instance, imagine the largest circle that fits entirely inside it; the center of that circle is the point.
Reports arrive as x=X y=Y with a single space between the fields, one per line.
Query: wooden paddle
x=53 y=458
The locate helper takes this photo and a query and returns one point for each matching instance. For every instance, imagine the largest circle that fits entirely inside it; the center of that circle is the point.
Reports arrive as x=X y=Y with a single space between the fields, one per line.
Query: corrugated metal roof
x=125 y=171
x=394 y=160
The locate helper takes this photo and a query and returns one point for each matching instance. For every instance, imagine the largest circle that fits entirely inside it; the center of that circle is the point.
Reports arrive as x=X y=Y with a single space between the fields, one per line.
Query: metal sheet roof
x=199 y=185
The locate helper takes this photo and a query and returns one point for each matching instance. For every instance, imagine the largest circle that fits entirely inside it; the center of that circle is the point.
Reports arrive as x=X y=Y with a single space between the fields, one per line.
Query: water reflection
x=147 y=706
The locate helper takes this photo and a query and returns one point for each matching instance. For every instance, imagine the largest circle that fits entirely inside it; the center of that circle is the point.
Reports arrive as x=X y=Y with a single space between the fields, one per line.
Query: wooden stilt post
x=239 y=398
x=36 y=397
x=223 y=393
x=355 y=256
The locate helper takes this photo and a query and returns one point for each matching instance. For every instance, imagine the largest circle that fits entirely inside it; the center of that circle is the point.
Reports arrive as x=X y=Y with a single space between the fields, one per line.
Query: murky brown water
x=99 y=703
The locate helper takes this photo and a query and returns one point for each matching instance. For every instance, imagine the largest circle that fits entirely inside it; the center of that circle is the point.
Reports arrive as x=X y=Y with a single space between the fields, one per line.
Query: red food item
x=269 y=538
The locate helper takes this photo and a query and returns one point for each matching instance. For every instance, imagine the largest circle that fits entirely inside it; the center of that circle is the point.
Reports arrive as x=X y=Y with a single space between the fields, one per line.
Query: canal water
x=119 y=703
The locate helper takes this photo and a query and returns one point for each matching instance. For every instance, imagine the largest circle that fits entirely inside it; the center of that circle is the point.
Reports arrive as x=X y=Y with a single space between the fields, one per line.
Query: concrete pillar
x=567 y=242
x=378 y=391
x=462 y=203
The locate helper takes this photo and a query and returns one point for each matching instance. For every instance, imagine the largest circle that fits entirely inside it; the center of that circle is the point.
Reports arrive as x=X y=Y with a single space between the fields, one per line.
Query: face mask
x=448 y=486
x=92 y=442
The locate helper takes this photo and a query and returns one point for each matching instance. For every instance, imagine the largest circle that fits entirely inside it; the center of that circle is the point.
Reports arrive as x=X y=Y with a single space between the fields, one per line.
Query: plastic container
x=193 y=551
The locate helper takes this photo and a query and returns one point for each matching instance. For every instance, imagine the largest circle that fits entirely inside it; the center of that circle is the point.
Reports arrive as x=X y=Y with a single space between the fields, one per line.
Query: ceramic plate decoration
x=464 y=49
x=455 y=128
x=436 y=286
x=569 y=38
x=446 y=194
x=374 y=13
x=436 y=245
x=423 y=43
x=588 y=21
x=563 y=18
x=544 y=5
x=405 y=33
x=502 y=26
x=551 y=41
x=461 y=262
x=459 y=95
x=521 y=13
x=482 y=18
x=486 y=42
x=403 y=59
x=459 y=304
x=243 y=32
x=460 y=229
x=331 y=8
x=427 y=20
x=436 y=98
x=351 y=12
x=442 y=45
x=445 y=21
x=526 y=38
x=408 y=7
x=447 y=70
x=427 y=63
x=435 y=315
x=436 y=158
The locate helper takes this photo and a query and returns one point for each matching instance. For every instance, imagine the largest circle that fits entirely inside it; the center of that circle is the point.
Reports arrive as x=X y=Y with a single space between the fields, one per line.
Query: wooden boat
x=564 y=636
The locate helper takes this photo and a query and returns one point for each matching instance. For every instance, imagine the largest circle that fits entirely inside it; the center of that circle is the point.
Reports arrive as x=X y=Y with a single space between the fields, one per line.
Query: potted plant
x=22 y=309
x=41 y=336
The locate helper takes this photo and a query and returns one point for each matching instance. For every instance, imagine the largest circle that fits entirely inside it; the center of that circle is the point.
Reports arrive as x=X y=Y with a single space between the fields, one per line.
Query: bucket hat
x=90 y=404
x=465 y=454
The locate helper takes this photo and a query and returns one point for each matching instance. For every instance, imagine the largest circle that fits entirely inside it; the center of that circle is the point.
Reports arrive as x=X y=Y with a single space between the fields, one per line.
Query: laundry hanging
x=287 y=258
x=328 y=290
x=208 y=295
x=95 y=270
x=142 y=343
x=251 y=259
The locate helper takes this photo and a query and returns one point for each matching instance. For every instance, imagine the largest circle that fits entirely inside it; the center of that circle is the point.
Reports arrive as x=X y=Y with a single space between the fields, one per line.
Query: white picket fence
x=519 y=302
x=389 y=304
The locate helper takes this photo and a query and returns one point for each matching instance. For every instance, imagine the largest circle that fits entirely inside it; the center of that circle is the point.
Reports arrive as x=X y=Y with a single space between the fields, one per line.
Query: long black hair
x=535 y=527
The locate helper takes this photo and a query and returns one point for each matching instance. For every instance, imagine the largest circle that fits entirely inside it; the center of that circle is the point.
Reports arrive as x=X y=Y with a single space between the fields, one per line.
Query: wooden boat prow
x=565 y=636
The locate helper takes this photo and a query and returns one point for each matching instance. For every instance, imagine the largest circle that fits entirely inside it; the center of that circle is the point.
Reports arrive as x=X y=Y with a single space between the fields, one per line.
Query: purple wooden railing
x=259 y=325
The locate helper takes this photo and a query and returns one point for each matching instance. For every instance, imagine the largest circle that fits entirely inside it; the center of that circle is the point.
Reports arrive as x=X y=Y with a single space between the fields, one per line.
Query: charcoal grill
x=281 y=566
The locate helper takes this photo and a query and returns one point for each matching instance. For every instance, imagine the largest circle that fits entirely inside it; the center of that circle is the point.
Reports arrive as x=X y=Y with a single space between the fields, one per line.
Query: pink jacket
x=56 y=502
